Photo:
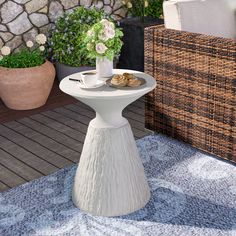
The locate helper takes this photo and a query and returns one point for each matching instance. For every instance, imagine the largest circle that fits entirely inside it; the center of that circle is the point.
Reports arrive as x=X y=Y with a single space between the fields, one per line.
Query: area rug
x=192 y=194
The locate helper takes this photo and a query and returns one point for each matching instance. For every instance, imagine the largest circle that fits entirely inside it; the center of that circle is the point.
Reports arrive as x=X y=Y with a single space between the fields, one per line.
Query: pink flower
x=107 y=33
x=110 y=33
x=107 y=23
x=101 y=48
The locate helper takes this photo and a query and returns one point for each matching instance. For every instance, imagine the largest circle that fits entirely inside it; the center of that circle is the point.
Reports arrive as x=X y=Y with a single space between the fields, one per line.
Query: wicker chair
x=195 y=97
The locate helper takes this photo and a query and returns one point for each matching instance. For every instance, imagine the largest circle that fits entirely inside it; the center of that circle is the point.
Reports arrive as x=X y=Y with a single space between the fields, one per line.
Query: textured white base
x=110 y=179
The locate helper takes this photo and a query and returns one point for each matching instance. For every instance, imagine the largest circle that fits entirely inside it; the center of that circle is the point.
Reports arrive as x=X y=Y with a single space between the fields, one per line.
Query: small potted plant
x=103 y=42
x=141 y=14
x=66 y=41
x=26 y=77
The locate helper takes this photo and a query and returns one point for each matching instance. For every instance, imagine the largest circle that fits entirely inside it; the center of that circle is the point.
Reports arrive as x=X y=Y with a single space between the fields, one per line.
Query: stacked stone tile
x=21 y=20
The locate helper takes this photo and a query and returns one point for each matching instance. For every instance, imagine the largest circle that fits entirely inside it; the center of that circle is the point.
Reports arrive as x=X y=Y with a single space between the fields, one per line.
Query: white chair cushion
x=210 y=17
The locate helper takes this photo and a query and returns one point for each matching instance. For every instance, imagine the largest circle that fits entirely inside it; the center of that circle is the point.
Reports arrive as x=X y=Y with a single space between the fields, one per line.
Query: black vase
x=132 y=53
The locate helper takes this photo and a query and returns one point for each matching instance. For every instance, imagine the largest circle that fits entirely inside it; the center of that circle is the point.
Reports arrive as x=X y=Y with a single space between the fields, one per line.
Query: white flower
x=103 y=36
x=41 y=39
x=41 y=48
x=101 y=48
x=1 y=57
x=107 y=24
x=129 y=5
x=5 y=51
x=111 y=25
x=146 y=3
x=110 y=33
x=29 y=44
x=107 y=33
x=90 y=33
x=104 y=21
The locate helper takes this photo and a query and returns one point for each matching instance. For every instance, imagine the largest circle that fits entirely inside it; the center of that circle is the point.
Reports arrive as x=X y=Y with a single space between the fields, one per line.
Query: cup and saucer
x=89 y=80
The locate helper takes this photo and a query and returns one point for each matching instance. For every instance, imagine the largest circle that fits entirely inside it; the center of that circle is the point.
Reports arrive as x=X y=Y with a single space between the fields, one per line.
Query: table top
x=72 y=88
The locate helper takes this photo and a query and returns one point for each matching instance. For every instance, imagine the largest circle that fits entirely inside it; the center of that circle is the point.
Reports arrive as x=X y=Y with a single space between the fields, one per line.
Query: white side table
x=110 y=179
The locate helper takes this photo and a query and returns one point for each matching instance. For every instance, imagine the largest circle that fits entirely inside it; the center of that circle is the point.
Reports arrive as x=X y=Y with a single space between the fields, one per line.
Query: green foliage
x=138 y=8
x=107 y=36
x=155 y=8
x=66 y=41
x=141 y=8
x=23 y=59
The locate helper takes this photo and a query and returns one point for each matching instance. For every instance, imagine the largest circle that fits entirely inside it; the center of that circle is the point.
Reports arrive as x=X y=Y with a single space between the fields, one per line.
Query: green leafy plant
x=103 y=40
x=142 y=8
x=136 y=7
x=31 y=55
x=155 y=8
x=66 y=41
x=23 y=59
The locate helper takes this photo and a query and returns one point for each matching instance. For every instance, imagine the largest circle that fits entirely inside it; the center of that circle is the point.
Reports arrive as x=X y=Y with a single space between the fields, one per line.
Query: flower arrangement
x=31 y=55
x=142 y=8
x=66 y=41
x=104 y=40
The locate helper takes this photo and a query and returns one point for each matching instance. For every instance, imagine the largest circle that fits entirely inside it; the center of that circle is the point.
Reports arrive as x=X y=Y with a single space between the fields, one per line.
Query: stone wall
x=21 y=20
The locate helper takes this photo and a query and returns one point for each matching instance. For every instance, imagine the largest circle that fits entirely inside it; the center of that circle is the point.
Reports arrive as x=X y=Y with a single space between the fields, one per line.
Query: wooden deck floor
x=39 y=142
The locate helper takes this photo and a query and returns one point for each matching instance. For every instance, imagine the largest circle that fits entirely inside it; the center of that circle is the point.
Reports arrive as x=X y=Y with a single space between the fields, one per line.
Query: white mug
x=89 y=79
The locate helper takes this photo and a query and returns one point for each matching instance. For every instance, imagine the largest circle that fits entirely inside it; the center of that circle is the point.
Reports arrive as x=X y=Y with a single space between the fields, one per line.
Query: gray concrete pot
x=65 y=70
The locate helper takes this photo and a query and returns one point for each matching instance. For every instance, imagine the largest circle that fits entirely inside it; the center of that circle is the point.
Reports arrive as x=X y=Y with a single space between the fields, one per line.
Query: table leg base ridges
x=110 y=179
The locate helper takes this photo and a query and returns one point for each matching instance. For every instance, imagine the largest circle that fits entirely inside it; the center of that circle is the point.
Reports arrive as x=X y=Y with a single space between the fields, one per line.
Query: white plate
x=99 y=83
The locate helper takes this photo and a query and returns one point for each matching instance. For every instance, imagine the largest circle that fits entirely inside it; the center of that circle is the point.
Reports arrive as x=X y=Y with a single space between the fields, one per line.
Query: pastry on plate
x=129 y=76
x=119 y=80
x=134 y=83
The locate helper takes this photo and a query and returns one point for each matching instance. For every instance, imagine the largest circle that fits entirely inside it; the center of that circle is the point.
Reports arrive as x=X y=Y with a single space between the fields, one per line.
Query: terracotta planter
x=26 y=88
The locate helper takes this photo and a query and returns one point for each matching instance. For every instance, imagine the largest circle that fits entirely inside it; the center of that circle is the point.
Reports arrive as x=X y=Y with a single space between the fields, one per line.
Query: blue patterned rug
x=192 y=194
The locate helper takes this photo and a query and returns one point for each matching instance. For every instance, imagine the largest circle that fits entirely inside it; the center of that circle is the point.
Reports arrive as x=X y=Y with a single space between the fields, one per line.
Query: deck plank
x=55 y=125
x=140 y=112
x=62 y=141
x=3 y=187
x=9 y=178
x=139 y=104
x=18 y=167
x=25 y=156
x=33 y=147
x=82 y=109
x=133 y=114
x=65 y=155
x=140 y=134
x=74 y=124
x=73 y=115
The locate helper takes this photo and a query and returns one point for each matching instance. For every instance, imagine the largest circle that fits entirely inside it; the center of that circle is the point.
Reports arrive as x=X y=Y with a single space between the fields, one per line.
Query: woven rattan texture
x=195 y=97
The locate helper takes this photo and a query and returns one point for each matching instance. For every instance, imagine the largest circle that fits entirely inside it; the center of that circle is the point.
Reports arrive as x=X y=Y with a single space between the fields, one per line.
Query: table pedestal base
x=110 y=179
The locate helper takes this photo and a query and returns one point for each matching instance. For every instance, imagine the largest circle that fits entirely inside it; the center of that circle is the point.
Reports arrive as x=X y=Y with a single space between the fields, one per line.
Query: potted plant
x=103 y=43
x=66 y=41
x=141 y=14
x=26 y=77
